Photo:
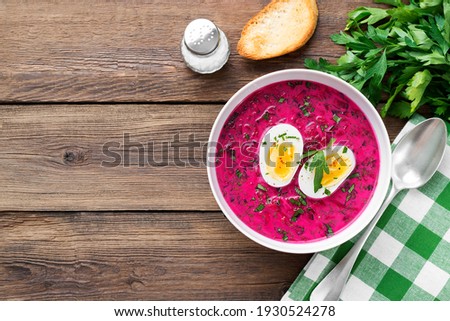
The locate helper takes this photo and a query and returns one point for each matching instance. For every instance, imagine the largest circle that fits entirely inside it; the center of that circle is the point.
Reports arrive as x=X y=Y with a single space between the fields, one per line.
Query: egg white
x=279 y=135
x=306 y=175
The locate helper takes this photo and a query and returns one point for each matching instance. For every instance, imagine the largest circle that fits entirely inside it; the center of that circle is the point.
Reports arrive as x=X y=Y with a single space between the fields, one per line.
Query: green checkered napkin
x=407 y=256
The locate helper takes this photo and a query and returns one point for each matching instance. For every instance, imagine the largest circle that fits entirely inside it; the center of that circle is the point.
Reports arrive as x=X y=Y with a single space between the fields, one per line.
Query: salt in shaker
x=204 y=47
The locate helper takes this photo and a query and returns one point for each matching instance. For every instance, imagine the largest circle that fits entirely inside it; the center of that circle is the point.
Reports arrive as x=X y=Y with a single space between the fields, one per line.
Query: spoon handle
x=330 y=288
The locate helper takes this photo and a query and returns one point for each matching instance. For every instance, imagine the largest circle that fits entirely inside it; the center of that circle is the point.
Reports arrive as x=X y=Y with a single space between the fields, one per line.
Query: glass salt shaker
x=204 y=47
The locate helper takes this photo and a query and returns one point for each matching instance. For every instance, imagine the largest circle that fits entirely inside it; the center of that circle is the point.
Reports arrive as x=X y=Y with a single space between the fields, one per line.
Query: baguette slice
x=281 y=27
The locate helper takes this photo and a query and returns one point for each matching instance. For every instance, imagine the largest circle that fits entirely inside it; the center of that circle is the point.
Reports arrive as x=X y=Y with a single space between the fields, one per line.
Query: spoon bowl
x=415 y=159
x=418 y=155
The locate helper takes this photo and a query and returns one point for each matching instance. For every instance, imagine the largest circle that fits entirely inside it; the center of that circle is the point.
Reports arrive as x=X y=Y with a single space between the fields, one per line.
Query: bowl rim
x=384 y=149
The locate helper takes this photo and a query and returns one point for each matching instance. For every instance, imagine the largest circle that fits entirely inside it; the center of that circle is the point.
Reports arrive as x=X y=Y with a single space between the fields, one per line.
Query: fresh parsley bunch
x=398 y=55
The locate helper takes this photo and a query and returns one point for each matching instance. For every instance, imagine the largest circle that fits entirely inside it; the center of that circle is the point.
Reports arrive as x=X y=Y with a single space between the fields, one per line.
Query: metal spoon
x=415 y=159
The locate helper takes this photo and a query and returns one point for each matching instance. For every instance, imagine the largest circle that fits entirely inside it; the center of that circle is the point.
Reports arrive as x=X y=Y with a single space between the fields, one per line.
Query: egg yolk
x=338 y=166
x=282 y=156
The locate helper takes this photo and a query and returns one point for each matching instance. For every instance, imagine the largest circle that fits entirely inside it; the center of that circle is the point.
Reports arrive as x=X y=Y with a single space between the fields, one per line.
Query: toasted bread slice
x=281 y=27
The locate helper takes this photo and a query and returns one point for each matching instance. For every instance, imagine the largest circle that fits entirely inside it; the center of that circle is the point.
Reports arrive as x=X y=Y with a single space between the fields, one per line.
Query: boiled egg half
x=340 y=162
x=280 y=152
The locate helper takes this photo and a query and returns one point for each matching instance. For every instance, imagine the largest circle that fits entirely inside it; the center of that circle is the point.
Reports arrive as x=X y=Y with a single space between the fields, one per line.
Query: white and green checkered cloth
x=407 y=256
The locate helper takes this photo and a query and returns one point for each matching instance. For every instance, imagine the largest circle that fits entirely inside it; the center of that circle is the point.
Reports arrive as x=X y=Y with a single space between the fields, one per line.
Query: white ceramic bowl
x=384 y=170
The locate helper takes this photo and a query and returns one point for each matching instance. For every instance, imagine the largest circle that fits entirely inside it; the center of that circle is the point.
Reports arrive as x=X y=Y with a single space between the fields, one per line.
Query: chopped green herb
x=264 y=143
x=344 y=150
x=284 y=233
x=299 y=192
x=259 y=208
x=290 y=84
x=297 y=202
x=351 y=188
x=305 y=112
x=261 y=187
x=266 y=116
x=292 y=137
x=327 y=191
x=343 y=190
x=329 y=230
x=354 y=175
x=297 y=213
x=308 y=84
x=336 y=118
x=281 y=100
x=247 y=136
x=238 y=173
x=253 y=198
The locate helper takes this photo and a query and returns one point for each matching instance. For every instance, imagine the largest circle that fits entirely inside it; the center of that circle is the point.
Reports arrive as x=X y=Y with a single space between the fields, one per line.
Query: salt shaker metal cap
x=204 y=47
x=201 y=36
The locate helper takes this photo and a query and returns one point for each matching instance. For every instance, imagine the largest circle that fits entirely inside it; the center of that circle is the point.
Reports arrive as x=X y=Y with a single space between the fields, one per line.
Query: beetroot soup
x=323 y=117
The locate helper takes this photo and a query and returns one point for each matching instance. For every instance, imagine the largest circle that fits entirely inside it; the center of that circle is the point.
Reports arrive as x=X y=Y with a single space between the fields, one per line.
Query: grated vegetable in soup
x=323 y=117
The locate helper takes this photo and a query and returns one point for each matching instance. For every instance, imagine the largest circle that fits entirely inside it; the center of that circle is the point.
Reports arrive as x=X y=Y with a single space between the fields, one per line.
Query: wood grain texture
x=137 y=256
x=129 y=51
x=51 y=157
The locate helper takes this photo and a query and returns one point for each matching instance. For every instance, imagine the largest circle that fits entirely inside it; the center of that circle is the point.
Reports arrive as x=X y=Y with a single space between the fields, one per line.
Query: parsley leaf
x=416 y=87
x=319 y=165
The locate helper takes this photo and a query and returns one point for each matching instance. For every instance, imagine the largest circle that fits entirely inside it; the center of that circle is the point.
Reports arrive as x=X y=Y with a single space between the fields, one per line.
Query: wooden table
x=76 y=75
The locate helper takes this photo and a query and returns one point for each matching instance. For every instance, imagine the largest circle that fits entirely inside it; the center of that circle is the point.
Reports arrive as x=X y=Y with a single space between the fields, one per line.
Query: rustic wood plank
x=51 y=157
x=125 y=51
x=137 y=256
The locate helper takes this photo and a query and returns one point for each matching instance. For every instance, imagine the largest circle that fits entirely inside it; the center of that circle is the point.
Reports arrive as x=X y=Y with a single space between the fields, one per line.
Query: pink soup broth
x=319 y=113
